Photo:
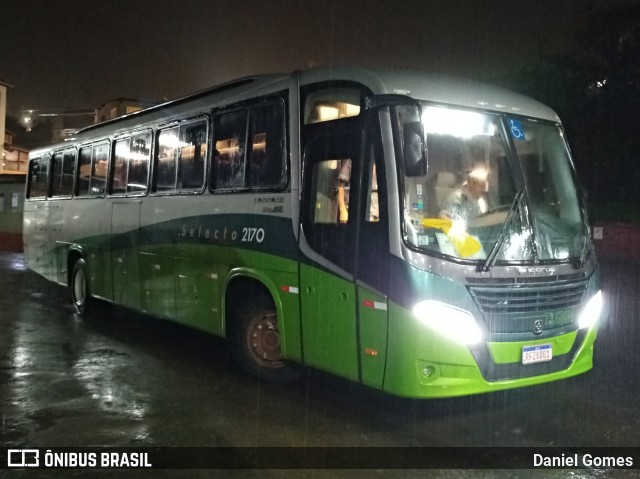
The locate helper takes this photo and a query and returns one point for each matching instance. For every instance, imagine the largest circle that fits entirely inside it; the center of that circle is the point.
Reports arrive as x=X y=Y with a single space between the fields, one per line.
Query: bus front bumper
x=423 y=364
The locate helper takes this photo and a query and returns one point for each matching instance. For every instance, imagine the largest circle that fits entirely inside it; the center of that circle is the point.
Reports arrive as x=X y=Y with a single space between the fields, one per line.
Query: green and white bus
x=310 y=219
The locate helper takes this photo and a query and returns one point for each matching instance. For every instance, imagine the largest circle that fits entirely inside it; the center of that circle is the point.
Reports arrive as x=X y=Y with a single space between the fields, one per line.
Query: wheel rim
x=79 y=287
x=263 y=339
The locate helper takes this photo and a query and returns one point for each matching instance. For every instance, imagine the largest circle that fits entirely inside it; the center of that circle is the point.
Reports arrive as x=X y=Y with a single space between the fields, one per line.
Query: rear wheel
x=80 y=287
x=256 y=342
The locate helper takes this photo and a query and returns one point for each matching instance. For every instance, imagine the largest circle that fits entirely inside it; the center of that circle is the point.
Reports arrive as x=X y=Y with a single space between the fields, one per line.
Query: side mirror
x=413 y=149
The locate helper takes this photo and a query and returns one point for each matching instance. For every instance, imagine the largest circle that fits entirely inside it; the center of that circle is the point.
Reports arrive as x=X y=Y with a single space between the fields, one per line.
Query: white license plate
x=537 y=354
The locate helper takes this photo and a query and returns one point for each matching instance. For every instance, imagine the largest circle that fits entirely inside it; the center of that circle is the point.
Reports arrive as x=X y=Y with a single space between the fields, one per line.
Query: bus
x=418 y=234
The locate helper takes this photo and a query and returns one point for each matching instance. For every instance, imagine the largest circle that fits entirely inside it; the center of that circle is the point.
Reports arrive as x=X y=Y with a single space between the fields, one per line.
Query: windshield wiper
x=502 y=236
x=582 y=259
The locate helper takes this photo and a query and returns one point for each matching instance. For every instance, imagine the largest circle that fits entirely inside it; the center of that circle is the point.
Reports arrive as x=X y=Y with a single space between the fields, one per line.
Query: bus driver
x=468 y=201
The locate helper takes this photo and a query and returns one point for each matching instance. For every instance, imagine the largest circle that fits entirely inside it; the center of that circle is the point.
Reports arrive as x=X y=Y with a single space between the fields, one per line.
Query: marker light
x=452 y=323
x=591 y=311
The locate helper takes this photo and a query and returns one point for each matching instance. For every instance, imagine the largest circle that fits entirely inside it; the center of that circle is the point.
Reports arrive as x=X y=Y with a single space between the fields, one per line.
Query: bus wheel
x=256 y=342
x=80 y=287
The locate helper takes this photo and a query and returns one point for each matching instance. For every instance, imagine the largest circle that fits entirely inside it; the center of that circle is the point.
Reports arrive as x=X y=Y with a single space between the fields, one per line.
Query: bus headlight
x=591 y=311
x=449 y=321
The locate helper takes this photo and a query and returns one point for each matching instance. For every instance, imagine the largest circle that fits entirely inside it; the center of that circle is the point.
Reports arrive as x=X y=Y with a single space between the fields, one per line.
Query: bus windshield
x=492 y=182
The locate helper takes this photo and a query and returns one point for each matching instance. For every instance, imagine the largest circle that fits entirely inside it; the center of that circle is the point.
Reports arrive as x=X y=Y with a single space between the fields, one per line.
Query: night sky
x=80 y=54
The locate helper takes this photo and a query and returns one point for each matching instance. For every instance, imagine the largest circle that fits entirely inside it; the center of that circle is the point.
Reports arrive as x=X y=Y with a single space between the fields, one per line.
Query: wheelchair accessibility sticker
x=515 y=127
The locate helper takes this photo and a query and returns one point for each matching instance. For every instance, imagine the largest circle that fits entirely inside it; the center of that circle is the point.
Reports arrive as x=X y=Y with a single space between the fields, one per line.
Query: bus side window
x=324 y=208
x=84 y=172
x=120 y=167
x=193 y=152
x=372 y=206
x=138 y=176
x=38 y=178
x=92 y=170
x=130 y=170
x=56 y=173
x=228 y=169
x=267 y=159
x=166 y=166
x=100 y=161
x=68 y=173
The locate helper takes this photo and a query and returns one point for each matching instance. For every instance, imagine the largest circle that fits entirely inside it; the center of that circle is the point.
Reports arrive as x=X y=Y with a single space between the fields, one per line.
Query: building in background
x=121 y=106
x=66 y=123
x=15 y=158
x=13 y=171
x=3 y=113
x=11 y=211
x=39 y=128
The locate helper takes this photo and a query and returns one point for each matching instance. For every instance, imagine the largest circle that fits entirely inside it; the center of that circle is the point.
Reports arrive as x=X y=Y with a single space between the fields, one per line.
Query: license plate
x=537 y=354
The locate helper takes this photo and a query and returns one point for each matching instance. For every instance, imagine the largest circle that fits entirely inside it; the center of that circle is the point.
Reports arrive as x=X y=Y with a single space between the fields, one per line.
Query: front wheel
x=255 y=338
x=80 y=287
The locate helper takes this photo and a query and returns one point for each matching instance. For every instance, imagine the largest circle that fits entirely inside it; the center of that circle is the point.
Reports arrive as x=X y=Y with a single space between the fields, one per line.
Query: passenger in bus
x=468 y=201
x=344 y=180
x=374 y=210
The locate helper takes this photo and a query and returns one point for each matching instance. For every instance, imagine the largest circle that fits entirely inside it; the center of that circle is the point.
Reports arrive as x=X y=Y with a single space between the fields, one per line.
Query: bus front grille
x=521 y=295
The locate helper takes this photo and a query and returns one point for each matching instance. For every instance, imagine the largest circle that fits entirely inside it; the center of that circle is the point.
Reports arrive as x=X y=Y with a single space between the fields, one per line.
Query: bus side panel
x=85 y=226
x=287 y=299
x=329 y=322
x=58 y=224
x=158 y=285
x=38 y=248
x=373 y=321
x=198 y=286
x=125 y=233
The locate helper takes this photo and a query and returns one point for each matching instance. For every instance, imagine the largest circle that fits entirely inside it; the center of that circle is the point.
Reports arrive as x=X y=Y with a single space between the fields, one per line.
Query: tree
x=596 y=91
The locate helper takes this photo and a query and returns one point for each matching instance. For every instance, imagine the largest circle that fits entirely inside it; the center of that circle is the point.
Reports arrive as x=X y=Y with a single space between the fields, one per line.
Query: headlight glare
x=453 y=323
x=591 y=311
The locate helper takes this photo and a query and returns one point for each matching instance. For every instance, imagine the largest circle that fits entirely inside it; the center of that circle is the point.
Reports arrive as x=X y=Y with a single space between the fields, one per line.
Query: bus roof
x=418 y=85
x=436 y=88
x=224 y=93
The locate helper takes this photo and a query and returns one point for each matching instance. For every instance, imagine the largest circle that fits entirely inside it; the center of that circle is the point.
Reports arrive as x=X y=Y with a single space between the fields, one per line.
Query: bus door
x=125 y=224
x=344 y=319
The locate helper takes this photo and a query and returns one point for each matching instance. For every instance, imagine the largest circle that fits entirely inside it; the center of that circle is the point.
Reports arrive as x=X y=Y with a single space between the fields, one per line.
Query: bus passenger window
x=99 y=169
x=63 y=165
x=267 y=165
x=140 y=151
x=92 y=170
x=228 y=157
x=193 y=151
x=84 y=172
x=120 y=168
x=131 y=165
x=68 y=173
x=39 y=178
x=56 y=173
x=166 y=165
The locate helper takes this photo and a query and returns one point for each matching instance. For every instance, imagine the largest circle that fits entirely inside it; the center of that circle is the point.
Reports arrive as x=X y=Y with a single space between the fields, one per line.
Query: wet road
x=125 y=379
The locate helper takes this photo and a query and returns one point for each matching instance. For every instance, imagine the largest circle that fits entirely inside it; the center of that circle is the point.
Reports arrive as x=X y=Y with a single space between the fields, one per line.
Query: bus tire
x=80 y=295
x=255 y=342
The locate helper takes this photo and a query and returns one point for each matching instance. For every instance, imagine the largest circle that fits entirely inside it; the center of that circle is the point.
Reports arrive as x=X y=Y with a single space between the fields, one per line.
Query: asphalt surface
x=121 y=378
